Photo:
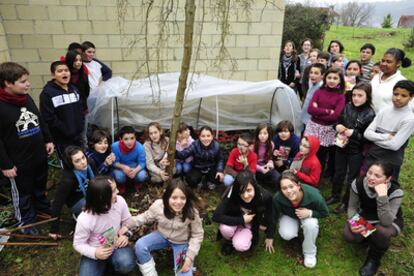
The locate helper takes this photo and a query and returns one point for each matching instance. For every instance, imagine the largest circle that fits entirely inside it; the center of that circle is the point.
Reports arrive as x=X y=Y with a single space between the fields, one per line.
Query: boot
x=340 y=209
x=148 y=269
x=227 y=248
x=332 y=200
x=372 y=262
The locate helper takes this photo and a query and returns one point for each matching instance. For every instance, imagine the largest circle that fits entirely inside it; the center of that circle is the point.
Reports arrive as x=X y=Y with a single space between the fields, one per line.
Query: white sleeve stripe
x=65 y=99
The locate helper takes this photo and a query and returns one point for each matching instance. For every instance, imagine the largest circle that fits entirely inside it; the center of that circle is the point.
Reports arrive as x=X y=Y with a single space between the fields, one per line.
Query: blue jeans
x=122 y=260
x=77 y=208
x=121 y=178
x=155 y=241
x=182 y=167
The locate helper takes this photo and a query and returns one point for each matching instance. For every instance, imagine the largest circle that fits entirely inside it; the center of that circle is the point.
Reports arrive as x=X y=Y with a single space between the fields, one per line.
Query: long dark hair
x=340 y=73
x=67 y=157
x=97 y=136
x=268 y=144
x=399 y=56
x=367 y=88
x=192 y=202
x=98 y=199
x=294 y=52
x=70 y=59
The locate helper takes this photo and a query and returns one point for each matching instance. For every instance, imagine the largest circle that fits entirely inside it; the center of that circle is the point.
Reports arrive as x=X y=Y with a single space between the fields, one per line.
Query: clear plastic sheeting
x=221 y=104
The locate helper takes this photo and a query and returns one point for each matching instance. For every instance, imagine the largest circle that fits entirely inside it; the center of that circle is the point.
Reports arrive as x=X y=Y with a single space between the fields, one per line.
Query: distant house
x=406 y=21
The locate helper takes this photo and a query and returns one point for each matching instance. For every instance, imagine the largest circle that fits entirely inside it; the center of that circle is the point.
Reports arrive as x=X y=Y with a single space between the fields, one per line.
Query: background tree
x=387 y=22
x=305 y=21
x=355 y=14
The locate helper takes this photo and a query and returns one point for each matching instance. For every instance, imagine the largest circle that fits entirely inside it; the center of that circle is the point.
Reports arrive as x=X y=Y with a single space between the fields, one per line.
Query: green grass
x=335 y=257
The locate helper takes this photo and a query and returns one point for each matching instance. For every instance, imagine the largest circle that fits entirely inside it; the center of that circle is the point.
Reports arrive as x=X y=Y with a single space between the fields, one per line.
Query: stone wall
x=37 y=32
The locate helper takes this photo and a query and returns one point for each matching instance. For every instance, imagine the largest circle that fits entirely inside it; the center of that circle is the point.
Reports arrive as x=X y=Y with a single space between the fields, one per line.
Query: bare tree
x=355 y=14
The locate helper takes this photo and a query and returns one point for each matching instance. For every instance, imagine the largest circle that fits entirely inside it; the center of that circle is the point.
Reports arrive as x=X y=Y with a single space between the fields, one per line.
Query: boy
x=25 y=143
x=313 y=58
x=98 y=71
x=392 y=127
x=129 y=159
x=286 y=145
x=61 y=108
x=316 y=79
x=366 y=52
x=240 y=158
x=323 y=58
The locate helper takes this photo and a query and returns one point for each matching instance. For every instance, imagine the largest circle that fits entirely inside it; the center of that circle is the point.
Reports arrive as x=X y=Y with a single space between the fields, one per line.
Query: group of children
x=346 y=133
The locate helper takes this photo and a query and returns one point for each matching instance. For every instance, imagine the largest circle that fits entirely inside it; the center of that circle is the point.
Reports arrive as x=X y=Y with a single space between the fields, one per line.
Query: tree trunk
x=182 y=85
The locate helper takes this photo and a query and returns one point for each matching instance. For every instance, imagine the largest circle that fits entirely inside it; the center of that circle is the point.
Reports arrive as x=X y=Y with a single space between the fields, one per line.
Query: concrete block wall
x=36 y=32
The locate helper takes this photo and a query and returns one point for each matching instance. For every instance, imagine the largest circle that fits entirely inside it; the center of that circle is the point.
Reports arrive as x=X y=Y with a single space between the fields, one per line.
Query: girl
x=286 y=145
x=303 y=205
x=354 y=119
x=325 y=107
x=208 y=160
x=335 y=47
x=100 y=151
x=73 y=185
x=263 y=147
x=156 y=146
x=337 y=61
x=353 y=72
x=96 y=230
x=378 y=200
x=383 y=83
x=242 y=210
x=184 y=140
x=304 y=62
x=289 y=65
x=178 y=226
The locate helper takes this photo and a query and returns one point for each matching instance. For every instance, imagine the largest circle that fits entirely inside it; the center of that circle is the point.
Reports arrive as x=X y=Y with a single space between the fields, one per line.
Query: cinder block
x=258 y=52
x=18 y=27
x=31 y=12
x=124 y=67
x=43 y=2
x=8 y=12
x=238 y=75
x=277 y=28
x=247 y=64
x=48 y=27
x=36 y=81
x=255 y=75
x=122 y=41
x=133 y=27
x=239 y=28
x=15 y=2
x=62 y=13
x=63 y=41
x=82 y=13
x=96 y=13
x=260 y=28
x=77 y=27
x=133 y=54
x=109 y=54
x=237 y=53
x=269 y=41
x=112 y=13
x=39 y=68
x=100 y=41
x=266 y=64
x=3 y=44
x=247 y=41
x=4 y=56
x=105 y=27
x=35 y=93
x=37 y=41
x=74 y=3
x=102 y=2
x=14 y=41
x=272 y=74
x=24 y=55
x=51 y=55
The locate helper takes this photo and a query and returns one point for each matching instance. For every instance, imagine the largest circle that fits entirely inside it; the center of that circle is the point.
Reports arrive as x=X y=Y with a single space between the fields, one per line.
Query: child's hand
x=266 y=169
x=164 y=162
x=103 y=253
x=340 y=128
x=133 y=172
x=55 y=236
x=122 y=231
x=349 y=132
x=269 y=246
x=331 y=111
x=315 y=104
x=243 y=160
x=220 y=176
x=276 y=153
x=121 y=241
x=248 y=218
x=302 y=213
x=294 y=171
x=109 y=160
x=164 y=176
x=187 y=265
x=10 y=173
x=391 y=136
x=357 y=229
x=50 y=148
x=381 y=189
x=279 y=163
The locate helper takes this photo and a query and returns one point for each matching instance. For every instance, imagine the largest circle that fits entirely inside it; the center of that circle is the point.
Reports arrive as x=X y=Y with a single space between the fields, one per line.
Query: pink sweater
x=327 y=99
x=90 y=227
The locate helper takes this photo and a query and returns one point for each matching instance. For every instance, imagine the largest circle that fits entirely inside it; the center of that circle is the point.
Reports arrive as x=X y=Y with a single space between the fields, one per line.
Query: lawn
x=335 y=257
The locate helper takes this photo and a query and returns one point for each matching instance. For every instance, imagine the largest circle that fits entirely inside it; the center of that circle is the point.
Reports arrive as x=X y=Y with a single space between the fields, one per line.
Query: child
x=303 y=205
x=313 y=58
x=375 y=70
x=263 y=147
x=78 y=172
x=25 y=143
x=100 y=151
x=315 y=76
x=241 y=212
x=208 y=160
x=335 y=47
x=378 y=200
x=98 y=71
x=352 y=76
x=129 y=160
x=337 y=61
x=392 y=127
x=366 y=52
x=61 y=108
x=286 y=145
x=306 y=165
x=178 y=226
x=289 y=65
x=323 y=58
x=352 y=122
x=96 y=230
x=240 y=158
x=325 y=107
x=156 y=146
x=184 y=140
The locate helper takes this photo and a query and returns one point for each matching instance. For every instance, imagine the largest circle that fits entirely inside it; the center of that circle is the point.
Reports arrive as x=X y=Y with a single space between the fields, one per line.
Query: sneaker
x=211 y=186
x=121 y=189
x=310 y=261
x=30 y=231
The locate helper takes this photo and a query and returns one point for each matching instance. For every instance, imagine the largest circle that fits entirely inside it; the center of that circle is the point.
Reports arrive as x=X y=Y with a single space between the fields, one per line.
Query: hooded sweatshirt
x=310 y=170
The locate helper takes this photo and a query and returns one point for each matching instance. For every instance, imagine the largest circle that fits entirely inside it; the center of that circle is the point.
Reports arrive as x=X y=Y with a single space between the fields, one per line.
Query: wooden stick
x=29 y=243
x=27 y=236
x=28 y=226
x=4 y=196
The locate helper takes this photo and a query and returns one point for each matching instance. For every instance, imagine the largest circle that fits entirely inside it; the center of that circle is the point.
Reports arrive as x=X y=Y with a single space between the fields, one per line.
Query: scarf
x=15 y=99
x=124 y=148
x=286 y=62
x=82 y=177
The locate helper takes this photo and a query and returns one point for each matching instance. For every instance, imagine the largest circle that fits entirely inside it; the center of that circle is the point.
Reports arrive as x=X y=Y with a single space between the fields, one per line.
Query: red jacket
x=238 y=167
x=310 y=171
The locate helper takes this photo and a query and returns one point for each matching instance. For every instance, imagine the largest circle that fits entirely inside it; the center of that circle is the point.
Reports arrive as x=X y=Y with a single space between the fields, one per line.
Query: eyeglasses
x=242 y=145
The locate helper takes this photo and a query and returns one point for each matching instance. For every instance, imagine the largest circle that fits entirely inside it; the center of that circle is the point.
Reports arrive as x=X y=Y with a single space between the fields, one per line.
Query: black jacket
x=62 y=111
x=229 y=214
x=23 y=135
x=288 y=77
x=358 y=119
